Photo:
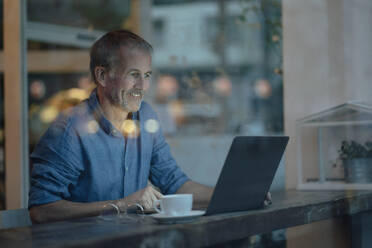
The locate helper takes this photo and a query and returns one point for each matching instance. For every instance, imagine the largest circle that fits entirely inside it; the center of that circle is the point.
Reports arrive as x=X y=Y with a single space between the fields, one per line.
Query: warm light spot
x=48 y=114
x=177 y=111
x=275 y=38
x=75 y=93
x=167 y=86
x=92 y=127
x=129 y=127
x=223 y=86
x=262 y=88
x=151 y=126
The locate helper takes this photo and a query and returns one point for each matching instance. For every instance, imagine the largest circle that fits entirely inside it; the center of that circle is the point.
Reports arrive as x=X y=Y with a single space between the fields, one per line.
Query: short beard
x=120 y=100
x=126 y=104
x=113 y=98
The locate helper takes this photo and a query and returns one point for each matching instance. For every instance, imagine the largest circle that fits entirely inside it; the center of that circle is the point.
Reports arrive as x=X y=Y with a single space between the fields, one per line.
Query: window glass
x=216 y=70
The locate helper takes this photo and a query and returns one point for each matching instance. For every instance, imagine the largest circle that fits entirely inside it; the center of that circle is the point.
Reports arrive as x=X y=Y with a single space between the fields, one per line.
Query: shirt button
x=126 y=168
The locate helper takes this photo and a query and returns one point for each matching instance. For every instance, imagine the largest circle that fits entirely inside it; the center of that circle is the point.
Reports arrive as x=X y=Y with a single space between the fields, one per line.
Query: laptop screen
x=247 y=174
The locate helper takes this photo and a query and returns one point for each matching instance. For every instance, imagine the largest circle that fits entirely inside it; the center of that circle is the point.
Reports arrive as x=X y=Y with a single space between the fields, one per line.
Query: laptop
x=247 y=174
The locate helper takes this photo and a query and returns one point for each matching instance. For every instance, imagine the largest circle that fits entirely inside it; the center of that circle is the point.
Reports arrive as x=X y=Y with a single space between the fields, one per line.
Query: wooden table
x=289 y=208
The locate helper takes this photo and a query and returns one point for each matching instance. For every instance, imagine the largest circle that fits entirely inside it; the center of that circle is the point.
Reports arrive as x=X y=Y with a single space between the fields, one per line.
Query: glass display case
x=334 y=148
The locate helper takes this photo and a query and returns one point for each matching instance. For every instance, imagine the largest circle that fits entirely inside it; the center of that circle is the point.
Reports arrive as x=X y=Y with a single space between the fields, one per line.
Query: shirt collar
x=101 y=119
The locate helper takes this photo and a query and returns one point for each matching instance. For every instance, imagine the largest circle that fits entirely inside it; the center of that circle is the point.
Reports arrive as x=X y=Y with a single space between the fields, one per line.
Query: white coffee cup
x=174 y=205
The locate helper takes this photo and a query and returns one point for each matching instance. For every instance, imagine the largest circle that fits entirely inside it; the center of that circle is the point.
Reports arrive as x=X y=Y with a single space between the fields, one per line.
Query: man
x=101 y=153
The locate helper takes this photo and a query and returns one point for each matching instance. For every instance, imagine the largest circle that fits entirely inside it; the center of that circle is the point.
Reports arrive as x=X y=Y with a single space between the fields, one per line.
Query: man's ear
x=100 y=74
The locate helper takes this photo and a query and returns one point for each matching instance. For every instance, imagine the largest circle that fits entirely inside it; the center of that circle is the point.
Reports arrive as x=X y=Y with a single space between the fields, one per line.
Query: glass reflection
x=217 y=70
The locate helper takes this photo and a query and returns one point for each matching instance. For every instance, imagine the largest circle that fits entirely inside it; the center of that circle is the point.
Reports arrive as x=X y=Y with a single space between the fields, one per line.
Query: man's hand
x=267 y=200
x=202 y=194
x=145 y=197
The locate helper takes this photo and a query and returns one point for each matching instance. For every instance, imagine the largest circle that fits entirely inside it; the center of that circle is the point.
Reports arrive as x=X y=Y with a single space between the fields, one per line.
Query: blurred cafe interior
x=221 y=68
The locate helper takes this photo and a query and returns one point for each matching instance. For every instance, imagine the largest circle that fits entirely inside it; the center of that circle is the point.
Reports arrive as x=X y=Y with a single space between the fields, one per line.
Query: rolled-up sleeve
x=165 y=173
x=56 y=166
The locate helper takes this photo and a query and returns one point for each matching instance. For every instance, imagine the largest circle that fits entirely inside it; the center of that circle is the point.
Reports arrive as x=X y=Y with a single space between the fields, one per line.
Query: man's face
x=128 y=80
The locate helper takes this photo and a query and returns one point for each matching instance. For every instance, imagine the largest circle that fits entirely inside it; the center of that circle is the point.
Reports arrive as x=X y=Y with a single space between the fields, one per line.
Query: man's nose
x=140 y=82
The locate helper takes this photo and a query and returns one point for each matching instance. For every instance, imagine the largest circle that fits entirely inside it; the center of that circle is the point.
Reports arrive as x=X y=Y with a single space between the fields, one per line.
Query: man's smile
x=133 y=94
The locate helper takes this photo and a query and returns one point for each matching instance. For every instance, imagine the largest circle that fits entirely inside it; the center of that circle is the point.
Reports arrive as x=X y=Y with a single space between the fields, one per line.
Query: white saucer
x=163 y=218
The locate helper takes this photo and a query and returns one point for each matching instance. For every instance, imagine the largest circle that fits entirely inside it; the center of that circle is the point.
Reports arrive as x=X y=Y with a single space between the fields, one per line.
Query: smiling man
x=89 y=158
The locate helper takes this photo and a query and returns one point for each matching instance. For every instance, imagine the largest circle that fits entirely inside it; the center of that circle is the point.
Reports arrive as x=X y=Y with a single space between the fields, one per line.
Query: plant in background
x=353 y=149
x=357 y=161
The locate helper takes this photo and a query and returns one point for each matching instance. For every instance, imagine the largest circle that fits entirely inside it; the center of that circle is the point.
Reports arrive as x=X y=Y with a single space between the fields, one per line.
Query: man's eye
x=135 y=74
x=147 y=75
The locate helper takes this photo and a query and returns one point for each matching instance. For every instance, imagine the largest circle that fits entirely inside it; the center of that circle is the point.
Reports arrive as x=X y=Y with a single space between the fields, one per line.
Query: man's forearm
x=201 y=193
x=62 y=210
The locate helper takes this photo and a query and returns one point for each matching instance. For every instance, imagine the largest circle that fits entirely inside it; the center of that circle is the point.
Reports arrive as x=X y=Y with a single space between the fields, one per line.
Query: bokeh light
x=48 y=114
x=75 y=93
x=275 y=38
x=167 y=86
x=222 y=86
x=262 y=88
x=130 y=128
x=177 y=111
x=152 y=126
x=92 y=127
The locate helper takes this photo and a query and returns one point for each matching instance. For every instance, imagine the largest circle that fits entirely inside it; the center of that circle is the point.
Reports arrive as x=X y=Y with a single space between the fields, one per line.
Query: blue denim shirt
x=83 y=158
